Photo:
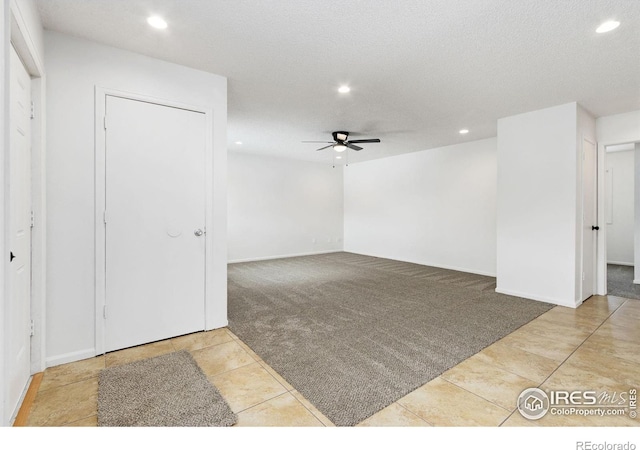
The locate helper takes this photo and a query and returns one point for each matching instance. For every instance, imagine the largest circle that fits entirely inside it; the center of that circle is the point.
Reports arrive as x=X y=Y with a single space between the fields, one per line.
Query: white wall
x=537 y=205
x=74 y=68
x=619 y=128
x=281 y=207
x=636 y=277
x=435 y=207
x=620 y=202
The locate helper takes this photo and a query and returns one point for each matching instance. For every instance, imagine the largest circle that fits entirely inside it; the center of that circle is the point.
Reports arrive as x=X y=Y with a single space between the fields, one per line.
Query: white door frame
x=35 y=66
x=100 y=192
x=22 y=41
x=25 y=48
x=601 y=265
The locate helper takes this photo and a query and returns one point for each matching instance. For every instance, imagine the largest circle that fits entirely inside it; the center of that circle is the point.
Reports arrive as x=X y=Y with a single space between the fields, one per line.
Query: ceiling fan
x=341 y=143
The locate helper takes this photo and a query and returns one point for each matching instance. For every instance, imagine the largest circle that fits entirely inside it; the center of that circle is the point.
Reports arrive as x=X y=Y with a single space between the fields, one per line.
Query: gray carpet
x=165 y=391
x=620 y=282
x=354 y=333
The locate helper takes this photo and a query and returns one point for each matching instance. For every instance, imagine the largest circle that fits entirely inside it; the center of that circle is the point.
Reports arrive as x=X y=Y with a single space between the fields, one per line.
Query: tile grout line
x=556 y=362
x=230 y=370
x=453 y=384
x=569 y=356
x=312 y=413
x=67 y=384
x=269 y=367
x=259 y=403
x=77 y=419
x=289 y=391
x=272 y=377
x=473 y=393
x=66 y=424
x=508 y=370
x=410 y=412
x=498 y=367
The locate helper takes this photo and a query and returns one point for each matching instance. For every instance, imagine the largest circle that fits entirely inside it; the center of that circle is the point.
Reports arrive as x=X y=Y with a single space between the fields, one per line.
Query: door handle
x=198 y=232
x=595 y=227
x=11 y=256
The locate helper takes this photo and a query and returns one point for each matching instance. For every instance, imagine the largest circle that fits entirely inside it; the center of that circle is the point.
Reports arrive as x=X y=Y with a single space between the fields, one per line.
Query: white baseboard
x=539 y=298
x=293 y=255
x=216 y=325
x=621 y=263
x=70 y=357
x=430 y=264
x=15 y=412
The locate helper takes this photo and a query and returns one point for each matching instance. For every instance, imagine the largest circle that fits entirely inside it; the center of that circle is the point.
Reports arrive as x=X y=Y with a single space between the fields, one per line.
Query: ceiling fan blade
x=353 y=147
x=322 y=148
x=317 y=142
x=363 y=141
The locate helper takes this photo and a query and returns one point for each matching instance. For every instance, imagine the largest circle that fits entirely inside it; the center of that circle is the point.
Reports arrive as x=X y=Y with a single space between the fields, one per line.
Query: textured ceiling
x=419 y=69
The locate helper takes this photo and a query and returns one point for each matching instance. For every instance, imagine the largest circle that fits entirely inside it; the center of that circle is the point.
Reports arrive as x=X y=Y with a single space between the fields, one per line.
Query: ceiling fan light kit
x=339 y=147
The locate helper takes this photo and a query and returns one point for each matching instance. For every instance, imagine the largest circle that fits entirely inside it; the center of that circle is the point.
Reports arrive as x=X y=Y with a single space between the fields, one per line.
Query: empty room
x=321 y=214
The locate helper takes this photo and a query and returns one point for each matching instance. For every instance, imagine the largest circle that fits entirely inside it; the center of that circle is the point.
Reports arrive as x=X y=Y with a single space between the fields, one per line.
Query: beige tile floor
x=596 y=346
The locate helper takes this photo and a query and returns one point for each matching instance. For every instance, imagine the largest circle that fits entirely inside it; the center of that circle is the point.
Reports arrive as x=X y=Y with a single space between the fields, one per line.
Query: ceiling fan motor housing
x=340 y=136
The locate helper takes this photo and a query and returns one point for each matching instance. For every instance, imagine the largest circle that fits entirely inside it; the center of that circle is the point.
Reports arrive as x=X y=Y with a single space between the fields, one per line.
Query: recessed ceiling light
x=238 y=142
x=338 y=157
x=608 y=26
x=344 y=89
x=157 y=22
x=463 y=131
x=339 y=147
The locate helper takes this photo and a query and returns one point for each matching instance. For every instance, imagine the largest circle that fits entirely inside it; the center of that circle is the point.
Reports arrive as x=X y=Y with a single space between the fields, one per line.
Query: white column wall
x=537 y=205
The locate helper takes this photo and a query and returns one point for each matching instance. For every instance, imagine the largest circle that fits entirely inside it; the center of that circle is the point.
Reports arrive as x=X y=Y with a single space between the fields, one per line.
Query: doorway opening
x=622 y=221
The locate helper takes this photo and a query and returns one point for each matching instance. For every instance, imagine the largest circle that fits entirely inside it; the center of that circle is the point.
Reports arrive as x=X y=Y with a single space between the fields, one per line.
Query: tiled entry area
x=594 y=347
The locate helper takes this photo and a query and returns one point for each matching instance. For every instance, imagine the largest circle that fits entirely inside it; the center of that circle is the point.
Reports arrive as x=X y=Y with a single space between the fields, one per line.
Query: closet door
x=154 y=219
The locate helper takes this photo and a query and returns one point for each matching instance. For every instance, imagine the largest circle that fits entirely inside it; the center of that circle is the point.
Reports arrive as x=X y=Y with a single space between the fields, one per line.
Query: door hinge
x=32 y=328
x=104 y=122
x=104 y=311
x=33 y=111
x=33 y=219
x=104 y=216
x=583 y=276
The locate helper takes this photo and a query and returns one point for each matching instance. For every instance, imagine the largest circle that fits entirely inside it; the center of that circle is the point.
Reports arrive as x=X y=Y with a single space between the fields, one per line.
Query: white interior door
x=589 y=218
x=155 y=210
x=19 y=304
